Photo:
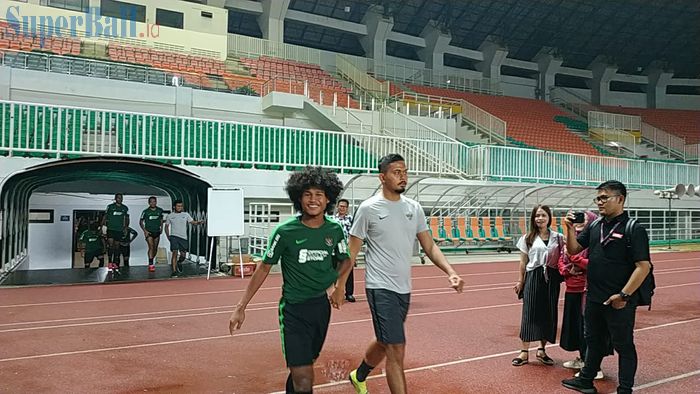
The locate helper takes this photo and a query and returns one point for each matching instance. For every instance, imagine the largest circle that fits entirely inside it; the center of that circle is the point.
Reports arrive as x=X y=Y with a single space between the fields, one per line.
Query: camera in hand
x=579 y=217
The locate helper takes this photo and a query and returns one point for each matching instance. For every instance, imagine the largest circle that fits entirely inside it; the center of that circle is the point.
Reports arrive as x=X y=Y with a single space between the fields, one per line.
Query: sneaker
x=151 y=268
x=598 y=376
x=574 y=364
x=350 y=298
x=580 y=384
x=360 y=387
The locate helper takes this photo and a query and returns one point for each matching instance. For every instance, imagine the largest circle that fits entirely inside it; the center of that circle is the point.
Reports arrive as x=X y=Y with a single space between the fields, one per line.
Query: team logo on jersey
x=409 y=215
x=329 y=241
x=271 y=249
x=306 y=255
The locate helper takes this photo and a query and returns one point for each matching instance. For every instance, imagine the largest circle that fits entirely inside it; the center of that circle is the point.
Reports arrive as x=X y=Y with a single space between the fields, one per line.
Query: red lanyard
x=606 y=240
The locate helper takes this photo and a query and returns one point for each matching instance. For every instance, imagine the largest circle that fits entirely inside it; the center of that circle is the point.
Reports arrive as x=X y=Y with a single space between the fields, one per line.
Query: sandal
x=520 y=361
x=543 y=357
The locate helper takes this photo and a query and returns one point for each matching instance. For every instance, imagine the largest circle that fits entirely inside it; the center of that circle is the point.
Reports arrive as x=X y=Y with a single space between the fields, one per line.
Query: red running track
x=172 y=336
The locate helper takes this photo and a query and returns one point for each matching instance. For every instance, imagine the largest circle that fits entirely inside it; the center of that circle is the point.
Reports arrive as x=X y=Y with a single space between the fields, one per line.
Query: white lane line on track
x=426 y=292
x=667 y=380
x=277 y=331
x=479 y=358
x=229 y=310
x=656 y=272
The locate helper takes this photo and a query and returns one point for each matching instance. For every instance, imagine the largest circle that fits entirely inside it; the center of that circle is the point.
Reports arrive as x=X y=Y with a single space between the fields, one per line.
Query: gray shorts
x=389 y=310
x=177 y=243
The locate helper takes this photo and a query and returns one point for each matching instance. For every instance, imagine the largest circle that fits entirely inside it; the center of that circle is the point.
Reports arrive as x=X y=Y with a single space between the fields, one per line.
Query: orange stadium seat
x=529 y=121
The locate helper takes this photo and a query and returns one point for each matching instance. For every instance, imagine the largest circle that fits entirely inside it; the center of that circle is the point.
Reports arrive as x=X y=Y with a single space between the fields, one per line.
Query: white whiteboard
x=224 y=212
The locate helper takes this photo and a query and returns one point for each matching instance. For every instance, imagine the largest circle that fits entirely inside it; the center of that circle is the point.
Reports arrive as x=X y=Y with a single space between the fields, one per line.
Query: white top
x=389 y=229
x=540 y=253
x=178 y=223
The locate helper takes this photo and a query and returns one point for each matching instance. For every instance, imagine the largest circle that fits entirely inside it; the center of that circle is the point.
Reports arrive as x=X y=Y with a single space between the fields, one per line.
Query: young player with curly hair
x=307 y=246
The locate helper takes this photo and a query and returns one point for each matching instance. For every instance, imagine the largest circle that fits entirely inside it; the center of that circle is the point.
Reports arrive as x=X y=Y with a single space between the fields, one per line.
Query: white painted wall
x=50 y=243
x=627 y=99
x=683 y=101
x=518 y=87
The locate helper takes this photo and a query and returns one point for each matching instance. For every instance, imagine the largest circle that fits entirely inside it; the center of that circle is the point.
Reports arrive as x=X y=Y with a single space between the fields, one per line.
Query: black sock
x=290 y=384
x=150 y=261
x=363 y=370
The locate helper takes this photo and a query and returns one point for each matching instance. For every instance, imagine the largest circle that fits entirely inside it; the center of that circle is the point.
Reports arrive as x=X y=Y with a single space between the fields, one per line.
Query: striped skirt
x=540 y=306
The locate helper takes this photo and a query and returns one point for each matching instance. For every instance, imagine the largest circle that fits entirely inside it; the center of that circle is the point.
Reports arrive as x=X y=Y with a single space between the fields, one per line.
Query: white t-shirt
x=389 y=230
x=178 y=223
x=540 y=253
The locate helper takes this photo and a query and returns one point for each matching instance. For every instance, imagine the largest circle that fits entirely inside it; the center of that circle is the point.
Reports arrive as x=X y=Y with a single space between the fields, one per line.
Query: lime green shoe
x=360 y=387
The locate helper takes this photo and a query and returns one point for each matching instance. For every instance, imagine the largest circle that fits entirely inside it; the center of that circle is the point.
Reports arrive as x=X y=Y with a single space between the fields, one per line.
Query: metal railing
x=109 y=70
x=615 y=139
x=45 y=131
x=254 y=47
x=417 y=104
x=494 y=127
x=692 y=152
x=321 y=95
x=59 y=132
x=502 y=163
x=353 y=123
x=361 y=79
x=608 y=120
x=659 y=139
x=435 y=147
x=429 y=77
x=572 y=101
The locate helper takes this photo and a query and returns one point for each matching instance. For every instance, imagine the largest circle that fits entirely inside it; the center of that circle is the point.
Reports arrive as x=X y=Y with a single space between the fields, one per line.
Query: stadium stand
x=20 y=42
x=531 y=123
x=682 y=123
x=38 y=128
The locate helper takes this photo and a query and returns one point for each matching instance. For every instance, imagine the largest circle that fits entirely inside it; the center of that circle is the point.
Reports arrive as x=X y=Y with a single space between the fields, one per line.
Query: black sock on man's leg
x=363 y=370
x=289 y=388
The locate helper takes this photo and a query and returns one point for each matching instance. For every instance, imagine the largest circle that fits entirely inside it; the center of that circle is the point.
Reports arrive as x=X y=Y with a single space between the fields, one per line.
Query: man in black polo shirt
x=618 y=264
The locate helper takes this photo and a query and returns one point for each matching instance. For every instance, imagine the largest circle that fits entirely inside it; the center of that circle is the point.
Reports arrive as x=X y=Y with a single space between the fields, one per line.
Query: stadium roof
x=630 y=33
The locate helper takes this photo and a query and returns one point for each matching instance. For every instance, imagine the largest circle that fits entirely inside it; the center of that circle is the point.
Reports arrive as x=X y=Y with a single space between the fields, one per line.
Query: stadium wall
x=68 y=90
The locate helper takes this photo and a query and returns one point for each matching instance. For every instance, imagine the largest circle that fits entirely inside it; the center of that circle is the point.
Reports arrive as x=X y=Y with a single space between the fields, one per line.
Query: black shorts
x=115 y=234
x=125 y=250
x=303 y=329
x=177 y=243
x=154 y=234
x=90 y=256
x=389 y=310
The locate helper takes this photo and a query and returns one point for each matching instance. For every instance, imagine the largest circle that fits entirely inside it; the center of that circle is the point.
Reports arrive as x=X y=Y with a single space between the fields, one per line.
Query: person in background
x=176 y=231
x=573 y=270
x=345 y=220
x=152 y=226
x=93 y=245
x=117 y=223
x=125 y=246
x=618 y=264
x=538 y=285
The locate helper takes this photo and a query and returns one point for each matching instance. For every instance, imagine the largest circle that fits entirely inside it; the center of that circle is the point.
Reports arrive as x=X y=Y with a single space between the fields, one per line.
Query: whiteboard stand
x=225 y=219
x=240 y=254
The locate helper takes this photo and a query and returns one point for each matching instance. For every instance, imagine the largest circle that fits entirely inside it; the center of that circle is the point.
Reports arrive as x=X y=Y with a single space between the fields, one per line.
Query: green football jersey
x=152 y=219
x=116 y=216
x=307 y=256
x=93 y=241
